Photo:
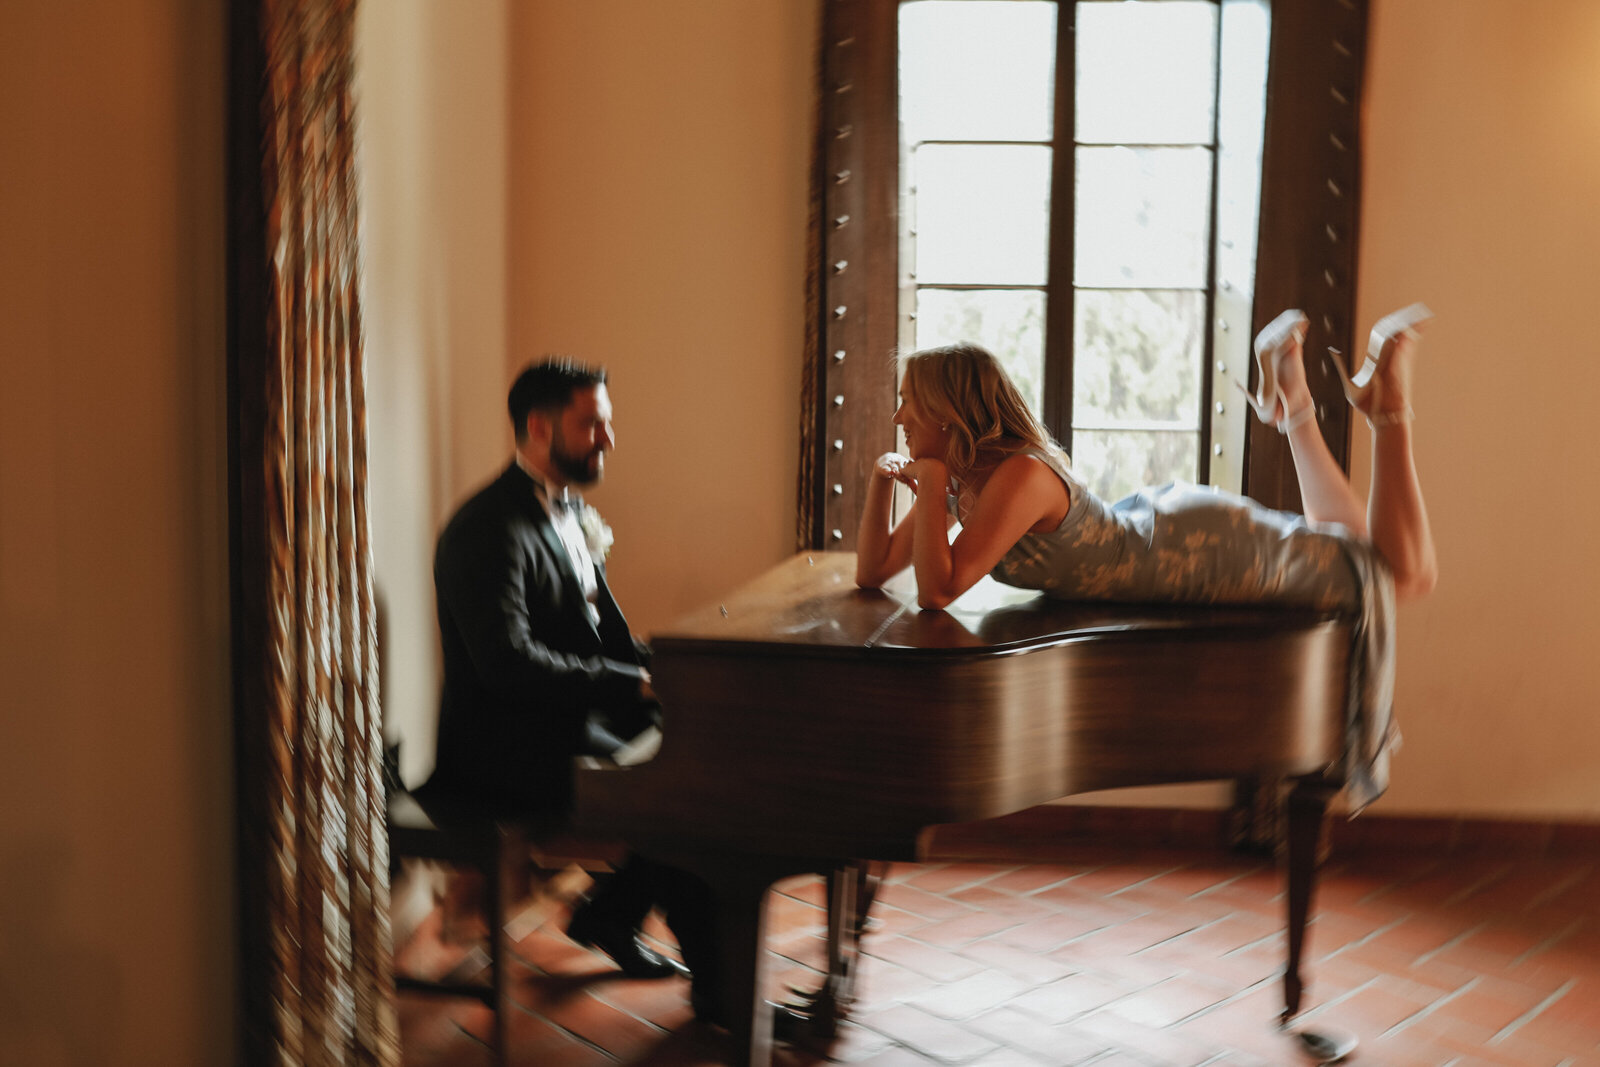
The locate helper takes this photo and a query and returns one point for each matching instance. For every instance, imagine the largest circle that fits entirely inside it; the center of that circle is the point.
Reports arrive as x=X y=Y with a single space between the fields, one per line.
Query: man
x=539 y=664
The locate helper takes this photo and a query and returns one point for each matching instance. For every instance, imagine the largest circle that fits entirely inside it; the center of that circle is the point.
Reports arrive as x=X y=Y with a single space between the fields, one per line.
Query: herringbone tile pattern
x=1133 y=957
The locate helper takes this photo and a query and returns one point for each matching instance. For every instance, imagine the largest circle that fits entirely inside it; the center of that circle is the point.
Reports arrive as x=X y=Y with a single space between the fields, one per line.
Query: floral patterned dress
x=1197 y=544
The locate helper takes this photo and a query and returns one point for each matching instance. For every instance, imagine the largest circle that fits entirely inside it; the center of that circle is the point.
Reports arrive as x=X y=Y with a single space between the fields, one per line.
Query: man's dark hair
x=547 y=386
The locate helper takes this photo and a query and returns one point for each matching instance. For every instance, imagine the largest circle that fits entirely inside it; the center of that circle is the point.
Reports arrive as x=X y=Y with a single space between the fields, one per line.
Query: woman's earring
x=944 y=426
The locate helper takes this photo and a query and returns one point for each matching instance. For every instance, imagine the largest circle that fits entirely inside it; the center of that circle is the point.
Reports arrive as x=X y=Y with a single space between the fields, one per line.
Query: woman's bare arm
x=1020 y=494
x=882 y=552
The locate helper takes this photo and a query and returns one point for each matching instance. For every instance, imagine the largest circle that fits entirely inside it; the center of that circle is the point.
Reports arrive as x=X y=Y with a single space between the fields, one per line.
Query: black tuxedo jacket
x=524 y=665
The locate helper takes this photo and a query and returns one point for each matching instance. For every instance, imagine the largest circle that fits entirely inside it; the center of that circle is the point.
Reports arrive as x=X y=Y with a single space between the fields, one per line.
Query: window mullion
x=1059 y=299
x=1209 y=332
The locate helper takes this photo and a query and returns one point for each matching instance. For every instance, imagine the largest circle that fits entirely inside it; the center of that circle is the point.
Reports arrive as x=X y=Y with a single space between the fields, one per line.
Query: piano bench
x=504 y=852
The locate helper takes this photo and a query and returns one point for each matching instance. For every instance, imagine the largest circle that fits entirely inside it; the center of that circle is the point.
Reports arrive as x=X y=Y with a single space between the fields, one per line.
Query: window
x=1079 y=186
x=1150 y=205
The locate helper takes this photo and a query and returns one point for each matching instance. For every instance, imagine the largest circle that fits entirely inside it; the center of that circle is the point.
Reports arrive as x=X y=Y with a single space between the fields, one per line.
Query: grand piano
x=810 y=724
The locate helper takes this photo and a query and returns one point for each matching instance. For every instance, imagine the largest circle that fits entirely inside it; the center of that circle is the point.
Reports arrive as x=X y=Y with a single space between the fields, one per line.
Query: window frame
x=1061 y=304
x=1306 y=245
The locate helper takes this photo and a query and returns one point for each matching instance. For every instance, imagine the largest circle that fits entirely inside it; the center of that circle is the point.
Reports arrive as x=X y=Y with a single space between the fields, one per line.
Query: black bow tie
x=557 y=503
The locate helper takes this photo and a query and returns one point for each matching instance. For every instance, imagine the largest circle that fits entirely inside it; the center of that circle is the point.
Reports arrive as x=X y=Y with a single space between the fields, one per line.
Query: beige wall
x=1482 y=197
x=658 y=209
x=432 y=82
x=116 y=833
x=553 y=177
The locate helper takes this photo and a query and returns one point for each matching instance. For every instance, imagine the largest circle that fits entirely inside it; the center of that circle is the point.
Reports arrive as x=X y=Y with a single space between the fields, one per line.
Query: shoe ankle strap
x=1379 y=419
x=1299 y=418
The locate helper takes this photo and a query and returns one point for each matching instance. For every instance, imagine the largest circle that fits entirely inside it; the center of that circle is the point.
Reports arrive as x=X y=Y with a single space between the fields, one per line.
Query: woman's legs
x=1395 y=512
x=1324 y=489
x=1394 y=515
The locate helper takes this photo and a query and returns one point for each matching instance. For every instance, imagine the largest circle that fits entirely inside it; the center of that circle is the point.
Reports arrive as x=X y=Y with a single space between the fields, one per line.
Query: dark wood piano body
x=810 y=723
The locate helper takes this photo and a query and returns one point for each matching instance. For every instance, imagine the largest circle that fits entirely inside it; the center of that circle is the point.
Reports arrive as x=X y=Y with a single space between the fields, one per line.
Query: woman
x=1026 y=517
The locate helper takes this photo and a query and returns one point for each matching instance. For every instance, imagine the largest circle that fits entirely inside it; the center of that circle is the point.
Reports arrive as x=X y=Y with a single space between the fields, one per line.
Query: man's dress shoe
x=622 y=945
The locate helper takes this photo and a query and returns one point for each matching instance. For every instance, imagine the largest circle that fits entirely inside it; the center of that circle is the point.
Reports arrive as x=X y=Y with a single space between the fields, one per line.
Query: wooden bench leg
x=502 y=887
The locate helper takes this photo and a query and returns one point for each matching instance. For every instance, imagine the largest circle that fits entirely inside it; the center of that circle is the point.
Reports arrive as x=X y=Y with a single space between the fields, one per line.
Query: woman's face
x=925 y=438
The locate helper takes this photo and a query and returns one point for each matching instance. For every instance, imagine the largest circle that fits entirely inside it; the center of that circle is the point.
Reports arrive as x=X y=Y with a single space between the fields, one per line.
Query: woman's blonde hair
x=965 y=388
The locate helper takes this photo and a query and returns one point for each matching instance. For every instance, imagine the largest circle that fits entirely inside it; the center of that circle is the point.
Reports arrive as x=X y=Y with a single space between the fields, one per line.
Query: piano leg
x=741 y=923
x=1308 y=805
x=742 y=942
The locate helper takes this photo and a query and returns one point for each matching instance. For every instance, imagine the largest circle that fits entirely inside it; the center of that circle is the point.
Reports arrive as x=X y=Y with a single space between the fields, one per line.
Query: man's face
x=581 y=436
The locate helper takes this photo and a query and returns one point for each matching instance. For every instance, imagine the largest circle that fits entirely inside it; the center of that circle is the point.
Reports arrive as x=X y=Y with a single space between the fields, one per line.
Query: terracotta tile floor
x=1139 y=957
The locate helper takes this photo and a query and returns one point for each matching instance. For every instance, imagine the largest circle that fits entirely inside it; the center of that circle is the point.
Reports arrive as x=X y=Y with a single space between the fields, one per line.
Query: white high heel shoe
x=1276 y=342
x=1366 y=388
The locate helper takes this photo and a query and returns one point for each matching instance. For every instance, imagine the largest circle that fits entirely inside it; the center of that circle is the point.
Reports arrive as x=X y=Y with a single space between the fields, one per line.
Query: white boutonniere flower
x=596 y=534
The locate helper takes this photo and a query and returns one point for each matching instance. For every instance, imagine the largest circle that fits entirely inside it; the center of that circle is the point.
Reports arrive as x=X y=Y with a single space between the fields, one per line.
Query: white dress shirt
x=564 y=518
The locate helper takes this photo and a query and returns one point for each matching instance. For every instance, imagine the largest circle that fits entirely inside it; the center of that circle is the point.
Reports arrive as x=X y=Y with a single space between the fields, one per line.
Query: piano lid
x=811 y=604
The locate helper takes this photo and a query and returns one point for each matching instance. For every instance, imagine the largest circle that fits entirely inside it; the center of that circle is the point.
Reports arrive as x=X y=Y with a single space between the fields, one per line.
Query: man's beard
x=575 y=468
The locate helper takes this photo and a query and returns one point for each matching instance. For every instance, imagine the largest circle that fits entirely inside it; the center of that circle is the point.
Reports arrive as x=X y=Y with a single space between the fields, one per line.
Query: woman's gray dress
x=1197 y=544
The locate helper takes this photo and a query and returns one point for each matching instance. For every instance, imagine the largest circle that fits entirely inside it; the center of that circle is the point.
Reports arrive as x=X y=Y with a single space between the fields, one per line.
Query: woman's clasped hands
x=908 y=472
